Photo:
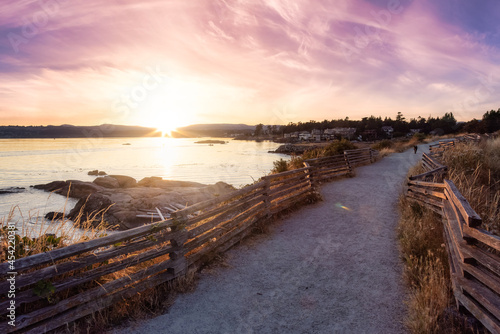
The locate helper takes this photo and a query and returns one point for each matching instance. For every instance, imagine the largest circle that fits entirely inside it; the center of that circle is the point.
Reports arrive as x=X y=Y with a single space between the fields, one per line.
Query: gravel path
x=331 y=267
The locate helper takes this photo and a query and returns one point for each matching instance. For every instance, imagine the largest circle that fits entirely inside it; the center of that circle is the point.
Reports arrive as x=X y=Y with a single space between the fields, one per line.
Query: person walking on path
x=415 y=148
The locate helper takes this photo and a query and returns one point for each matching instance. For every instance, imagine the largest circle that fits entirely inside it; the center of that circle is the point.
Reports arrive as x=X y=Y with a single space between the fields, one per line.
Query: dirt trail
x=331 y=267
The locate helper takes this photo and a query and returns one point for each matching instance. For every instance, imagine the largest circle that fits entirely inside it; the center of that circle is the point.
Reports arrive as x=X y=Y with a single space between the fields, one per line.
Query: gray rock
x=107 y=182
x=125 y=181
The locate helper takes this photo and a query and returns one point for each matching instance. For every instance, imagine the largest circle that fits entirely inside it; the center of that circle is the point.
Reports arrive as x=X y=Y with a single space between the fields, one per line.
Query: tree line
x=446 y=124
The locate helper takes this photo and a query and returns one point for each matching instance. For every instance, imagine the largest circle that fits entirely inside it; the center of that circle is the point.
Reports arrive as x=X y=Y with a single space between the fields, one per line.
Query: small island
x=210 y=141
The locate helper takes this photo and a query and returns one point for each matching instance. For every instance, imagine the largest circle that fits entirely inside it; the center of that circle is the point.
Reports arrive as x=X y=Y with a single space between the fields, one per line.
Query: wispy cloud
x=240 y=60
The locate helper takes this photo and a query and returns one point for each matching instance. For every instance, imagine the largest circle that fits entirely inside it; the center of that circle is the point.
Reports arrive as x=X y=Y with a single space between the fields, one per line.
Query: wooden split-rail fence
x=55 y=288
x=472 y=251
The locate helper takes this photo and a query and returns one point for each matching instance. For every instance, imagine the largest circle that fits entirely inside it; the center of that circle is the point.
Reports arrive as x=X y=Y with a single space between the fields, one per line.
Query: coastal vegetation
x=297 y=161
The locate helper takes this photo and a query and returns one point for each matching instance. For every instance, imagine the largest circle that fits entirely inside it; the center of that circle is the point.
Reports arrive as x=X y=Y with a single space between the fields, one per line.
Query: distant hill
x=214 y=130
x=72 y=131
x=111 y=130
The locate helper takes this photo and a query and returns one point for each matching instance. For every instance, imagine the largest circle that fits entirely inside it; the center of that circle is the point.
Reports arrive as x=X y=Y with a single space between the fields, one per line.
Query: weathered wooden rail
x=57 y=287
x=473 y=252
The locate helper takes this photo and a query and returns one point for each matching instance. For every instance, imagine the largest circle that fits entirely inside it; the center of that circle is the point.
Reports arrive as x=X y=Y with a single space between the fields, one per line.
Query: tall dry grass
x=475 y=170
x=35 y=235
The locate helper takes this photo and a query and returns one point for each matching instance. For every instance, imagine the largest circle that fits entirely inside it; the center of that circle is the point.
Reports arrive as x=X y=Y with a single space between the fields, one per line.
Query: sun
x=167 y=122
x=169 y=107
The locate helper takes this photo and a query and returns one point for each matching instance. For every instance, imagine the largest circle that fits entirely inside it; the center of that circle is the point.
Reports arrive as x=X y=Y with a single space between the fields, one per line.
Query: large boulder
x=52 y=186
x=118 y=199
x=70 y=188
x=107 y=182
x=125 y=181
x=158 y=182
x=93 y=206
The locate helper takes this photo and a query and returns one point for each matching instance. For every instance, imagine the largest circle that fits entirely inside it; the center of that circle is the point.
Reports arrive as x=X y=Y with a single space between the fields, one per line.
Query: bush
x=420 y=137
x=386 y=143
x=280 y=166
x=334 y=148
x=338 y=147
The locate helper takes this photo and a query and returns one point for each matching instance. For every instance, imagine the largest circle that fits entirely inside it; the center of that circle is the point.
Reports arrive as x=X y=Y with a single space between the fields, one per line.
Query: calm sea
x=26 y=162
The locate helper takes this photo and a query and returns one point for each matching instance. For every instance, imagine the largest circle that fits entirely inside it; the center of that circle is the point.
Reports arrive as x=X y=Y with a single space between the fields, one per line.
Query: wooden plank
x=82 y=247
x=471 y=217
x=458 y=214
x=430 y=173
x=242 y=207
x=456 y=234
x=426 y=199
x=292 y=196
x=426 y=184
x=295 y=171
x=93 y=294
x=485 y=277
x=330 y=176
x=339 y=156
x=492 y=324
x=431 y=160
x=488 y=260
x=294 y=179
x=427 y=191
x=332 y=173
x=245 y=227
x=287 y=190
x=483 y=236
x=484 y=296
x=356 y=150
x=221 y=199
x=78 y=263
x=90 y=275
x=221 y=228
x=103 y=302
x=453 y=256
x=226 y=207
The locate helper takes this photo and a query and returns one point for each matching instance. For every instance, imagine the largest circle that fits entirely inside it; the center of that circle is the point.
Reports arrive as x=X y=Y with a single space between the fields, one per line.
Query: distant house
x=344 y=132
x=304 y=135
x=388 y=130
x=316 y=134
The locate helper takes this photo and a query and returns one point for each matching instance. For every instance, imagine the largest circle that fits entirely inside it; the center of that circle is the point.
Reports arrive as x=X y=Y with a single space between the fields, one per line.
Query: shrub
x=280 y=166
x=386 y=143
x=420 y=137
x=338 y=147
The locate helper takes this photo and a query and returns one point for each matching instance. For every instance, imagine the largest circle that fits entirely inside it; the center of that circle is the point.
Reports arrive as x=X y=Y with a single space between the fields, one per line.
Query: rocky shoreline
x=124 y=202
x=296 y=148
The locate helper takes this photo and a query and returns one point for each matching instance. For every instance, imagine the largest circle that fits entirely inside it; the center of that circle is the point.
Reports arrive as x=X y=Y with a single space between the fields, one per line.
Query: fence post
x=348 y=163
x=267 y=196
x=310 y=175
x=179 y=265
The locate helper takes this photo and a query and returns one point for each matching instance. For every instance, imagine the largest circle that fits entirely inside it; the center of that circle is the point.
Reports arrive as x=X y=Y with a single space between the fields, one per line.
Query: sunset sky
x=168 y=63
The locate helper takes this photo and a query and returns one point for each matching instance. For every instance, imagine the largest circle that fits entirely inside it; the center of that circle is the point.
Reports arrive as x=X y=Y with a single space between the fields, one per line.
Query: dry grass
x=475 y=170
x=34 y=235
x=387 y=147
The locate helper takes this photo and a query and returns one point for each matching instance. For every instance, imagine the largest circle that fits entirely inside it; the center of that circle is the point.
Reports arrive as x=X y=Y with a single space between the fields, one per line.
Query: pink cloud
x=245 y=59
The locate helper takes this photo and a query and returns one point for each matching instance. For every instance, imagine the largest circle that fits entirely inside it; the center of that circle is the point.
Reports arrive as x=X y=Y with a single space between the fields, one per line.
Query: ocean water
x=27 y=162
